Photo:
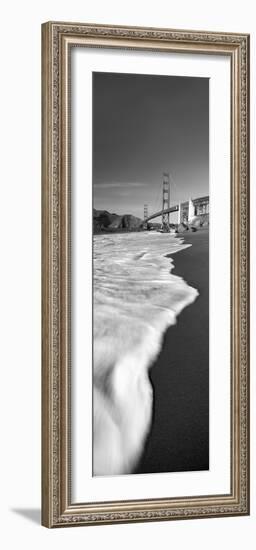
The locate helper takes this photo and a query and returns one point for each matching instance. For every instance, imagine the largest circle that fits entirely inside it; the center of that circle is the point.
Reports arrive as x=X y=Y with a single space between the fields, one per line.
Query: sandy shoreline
x=179 y=437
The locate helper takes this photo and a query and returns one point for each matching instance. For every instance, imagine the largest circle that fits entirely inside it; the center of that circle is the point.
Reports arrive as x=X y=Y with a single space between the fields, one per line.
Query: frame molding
x=57 y=41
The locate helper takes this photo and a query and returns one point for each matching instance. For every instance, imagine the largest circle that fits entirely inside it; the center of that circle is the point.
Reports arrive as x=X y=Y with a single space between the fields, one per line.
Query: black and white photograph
x=145 y=274
x=151 y=210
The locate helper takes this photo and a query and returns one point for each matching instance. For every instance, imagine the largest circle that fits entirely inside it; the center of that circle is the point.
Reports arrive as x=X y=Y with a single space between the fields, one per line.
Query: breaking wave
x=135 y=299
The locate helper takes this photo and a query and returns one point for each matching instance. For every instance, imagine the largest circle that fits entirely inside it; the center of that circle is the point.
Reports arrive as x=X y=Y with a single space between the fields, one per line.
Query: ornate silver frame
x=57 y=41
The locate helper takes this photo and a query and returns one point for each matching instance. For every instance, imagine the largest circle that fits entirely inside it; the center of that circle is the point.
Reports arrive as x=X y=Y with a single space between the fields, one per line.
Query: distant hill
x=104 y=220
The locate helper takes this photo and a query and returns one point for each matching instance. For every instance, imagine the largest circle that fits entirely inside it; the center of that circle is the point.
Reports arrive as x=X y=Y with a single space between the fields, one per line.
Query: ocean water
x=136 y=298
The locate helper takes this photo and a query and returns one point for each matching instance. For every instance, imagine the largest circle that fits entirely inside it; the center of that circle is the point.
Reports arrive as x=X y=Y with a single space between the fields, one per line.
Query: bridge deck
x=161 y=212
x=175 y=208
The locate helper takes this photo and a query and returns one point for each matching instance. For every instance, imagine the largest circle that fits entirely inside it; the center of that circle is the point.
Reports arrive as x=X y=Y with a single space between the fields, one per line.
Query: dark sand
x=179 y=437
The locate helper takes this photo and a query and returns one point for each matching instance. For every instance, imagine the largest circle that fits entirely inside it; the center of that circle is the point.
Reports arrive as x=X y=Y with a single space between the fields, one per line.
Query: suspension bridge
x=186 y=210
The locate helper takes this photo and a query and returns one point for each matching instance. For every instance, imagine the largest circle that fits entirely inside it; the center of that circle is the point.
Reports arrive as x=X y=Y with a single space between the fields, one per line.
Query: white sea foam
x=135 y=299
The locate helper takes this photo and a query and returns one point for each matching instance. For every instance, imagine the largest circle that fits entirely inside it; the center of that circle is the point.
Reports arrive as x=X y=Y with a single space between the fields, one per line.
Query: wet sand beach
x=179 y=436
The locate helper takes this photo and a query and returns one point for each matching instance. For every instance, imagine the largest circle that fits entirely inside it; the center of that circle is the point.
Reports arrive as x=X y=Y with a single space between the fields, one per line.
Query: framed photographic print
x=145 y=274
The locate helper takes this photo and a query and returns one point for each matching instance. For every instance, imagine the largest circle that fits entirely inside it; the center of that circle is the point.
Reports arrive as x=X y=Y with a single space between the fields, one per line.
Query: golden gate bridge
x=187 y=210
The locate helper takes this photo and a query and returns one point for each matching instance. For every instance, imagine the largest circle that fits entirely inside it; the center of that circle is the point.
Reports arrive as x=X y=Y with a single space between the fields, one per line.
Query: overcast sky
x=143 y=126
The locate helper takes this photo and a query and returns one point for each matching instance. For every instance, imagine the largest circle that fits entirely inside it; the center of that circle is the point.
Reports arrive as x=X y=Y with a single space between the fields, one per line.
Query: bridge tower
x=166 y=202
x=191 y=210
x=145 y=225
x=180 y=214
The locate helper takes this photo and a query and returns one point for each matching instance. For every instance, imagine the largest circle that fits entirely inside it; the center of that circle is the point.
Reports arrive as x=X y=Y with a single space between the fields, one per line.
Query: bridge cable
x=175 y=186
x=158 y=198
